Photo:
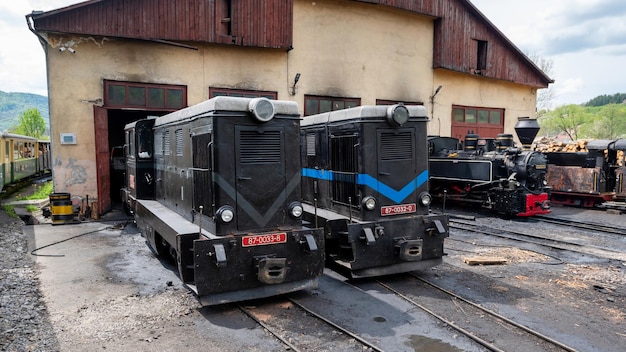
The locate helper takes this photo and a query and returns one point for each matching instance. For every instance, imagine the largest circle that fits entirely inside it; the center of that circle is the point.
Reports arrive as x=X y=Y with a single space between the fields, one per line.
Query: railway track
x=591 y=226
x=301 y=329
x=583 y=246
x=486 y=327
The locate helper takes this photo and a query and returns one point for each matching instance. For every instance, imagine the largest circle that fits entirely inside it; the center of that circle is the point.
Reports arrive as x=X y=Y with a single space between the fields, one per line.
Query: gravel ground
x=131 y=302
x=24 y=320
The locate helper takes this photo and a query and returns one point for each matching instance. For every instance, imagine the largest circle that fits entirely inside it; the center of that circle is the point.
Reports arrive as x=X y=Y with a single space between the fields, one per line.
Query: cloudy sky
x=584 y=39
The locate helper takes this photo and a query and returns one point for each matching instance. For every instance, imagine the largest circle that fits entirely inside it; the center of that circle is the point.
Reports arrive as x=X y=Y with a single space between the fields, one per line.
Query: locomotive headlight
x=425 y=199
x=295 y=209
x=225 y=214
x=262 y=109
x=397 y=115
x=369 y=203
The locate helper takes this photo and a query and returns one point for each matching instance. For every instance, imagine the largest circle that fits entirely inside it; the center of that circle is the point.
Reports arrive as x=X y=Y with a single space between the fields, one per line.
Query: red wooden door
x=103 y=176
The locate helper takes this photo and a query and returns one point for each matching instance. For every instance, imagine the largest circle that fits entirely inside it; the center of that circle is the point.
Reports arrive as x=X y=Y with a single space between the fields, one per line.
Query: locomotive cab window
x=144 y=142
x=131 y=144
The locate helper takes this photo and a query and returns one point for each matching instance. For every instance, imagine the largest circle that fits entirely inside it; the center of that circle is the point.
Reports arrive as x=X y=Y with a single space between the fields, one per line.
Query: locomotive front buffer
x=367 y=249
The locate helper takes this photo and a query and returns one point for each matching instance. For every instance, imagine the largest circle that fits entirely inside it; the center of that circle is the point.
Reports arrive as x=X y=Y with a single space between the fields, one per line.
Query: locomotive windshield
x=144 y=142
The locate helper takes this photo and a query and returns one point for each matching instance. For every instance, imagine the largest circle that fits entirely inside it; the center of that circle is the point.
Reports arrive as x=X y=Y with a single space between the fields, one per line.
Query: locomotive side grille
x=344 y=165
x=310 y=144
x=179 y=142
x=396 y=146
x=158 y=144
x=259 y=148
x=166 y=142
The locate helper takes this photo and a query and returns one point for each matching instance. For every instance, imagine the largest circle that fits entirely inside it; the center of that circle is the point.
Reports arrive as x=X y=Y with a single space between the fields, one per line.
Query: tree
x=617 y=98
x=31 y=123
x=605 y=122
x=545 y=96
x=566 y=118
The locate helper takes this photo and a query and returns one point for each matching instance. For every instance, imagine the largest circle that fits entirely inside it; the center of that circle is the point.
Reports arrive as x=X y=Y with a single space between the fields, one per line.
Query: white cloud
x=585 y=39
x=21 y=56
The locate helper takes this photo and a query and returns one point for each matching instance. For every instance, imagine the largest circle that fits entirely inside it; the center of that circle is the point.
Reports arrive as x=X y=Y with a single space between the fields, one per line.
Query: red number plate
x=398 y=209
x=261 y=240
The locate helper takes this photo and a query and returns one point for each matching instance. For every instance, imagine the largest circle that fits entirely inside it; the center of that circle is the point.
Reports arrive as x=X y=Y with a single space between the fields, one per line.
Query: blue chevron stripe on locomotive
x=373 y=183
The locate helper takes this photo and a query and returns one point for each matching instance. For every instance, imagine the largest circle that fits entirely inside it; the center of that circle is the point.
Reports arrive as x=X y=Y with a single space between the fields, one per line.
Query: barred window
x=242 y=93
x=148 y=96
x=320 y=104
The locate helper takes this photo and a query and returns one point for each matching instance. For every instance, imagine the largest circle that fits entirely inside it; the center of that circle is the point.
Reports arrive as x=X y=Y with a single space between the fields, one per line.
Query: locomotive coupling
x=410 y=250
x=544 y=205
x=272 y=270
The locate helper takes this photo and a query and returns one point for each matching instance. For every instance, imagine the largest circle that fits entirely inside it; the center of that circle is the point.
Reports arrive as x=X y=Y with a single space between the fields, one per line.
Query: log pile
x=547 y=145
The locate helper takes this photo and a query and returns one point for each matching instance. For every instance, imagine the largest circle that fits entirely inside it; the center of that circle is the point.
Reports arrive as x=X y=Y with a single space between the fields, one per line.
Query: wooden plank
x=484 y=261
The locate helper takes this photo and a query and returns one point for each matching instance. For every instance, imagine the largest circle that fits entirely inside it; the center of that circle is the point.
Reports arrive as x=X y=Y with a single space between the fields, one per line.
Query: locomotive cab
x=140 y=169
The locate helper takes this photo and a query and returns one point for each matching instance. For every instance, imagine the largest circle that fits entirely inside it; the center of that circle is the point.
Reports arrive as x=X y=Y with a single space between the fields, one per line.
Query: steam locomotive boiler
x=216 y=186
x=365 y=182
x=491 y=173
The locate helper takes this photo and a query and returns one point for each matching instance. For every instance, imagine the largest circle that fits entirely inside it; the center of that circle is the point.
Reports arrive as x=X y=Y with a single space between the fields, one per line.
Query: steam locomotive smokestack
x=526 y=129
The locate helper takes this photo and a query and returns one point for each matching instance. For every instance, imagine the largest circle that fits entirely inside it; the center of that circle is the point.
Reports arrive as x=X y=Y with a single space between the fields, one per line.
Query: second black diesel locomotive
x=492 y=173
x=365 y=181
x=217 y=186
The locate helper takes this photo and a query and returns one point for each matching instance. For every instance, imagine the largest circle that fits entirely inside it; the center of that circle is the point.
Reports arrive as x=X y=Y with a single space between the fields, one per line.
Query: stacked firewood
x=547 y=145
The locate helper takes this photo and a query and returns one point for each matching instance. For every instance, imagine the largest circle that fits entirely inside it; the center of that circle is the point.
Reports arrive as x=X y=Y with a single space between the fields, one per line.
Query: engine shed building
x=111 y=62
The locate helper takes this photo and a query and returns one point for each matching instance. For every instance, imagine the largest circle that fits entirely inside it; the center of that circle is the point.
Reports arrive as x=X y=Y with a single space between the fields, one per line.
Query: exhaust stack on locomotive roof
x=526 y=129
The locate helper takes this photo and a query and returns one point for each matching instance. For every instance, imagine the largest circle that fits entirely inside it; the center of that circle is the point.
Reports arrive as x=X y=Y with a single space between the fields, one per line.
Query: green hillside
x=13 y=104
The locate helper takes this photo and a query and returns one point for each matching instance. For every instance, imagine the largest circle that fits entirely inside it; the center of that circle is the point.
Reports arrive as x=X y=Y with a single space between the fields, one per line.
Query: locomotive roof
x=234 y=104
x=134 y=123
x=602 y=144
x=360 y=112
x=620 y=144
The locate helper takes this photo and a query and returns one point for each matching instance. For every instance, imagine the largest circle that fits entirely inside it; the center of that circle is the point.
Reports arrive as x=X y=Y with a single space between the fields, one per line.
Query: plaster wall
x=466 y=90
x=76 y=82
x=356 y=50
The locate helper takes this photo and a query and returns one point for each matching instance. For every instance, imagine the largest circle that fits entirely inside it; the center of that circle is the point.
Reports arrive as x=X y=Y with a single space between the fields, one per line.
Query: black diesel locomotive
x=365 y=181
x=217 y=186
x=492 y=173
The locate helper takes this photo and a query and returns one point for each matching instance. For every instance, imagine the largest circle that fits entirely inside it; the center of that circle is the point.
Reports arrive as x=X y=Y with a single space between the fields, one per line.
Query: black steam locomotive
x=365 y=181
x=217 y=186
x=588 y=178
x=492 y=173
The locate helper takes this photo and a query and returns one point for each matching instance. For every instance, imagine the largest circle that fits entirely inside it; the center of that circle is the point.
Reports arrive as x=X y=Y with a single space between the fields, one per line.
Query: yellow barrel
x=61 y=208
